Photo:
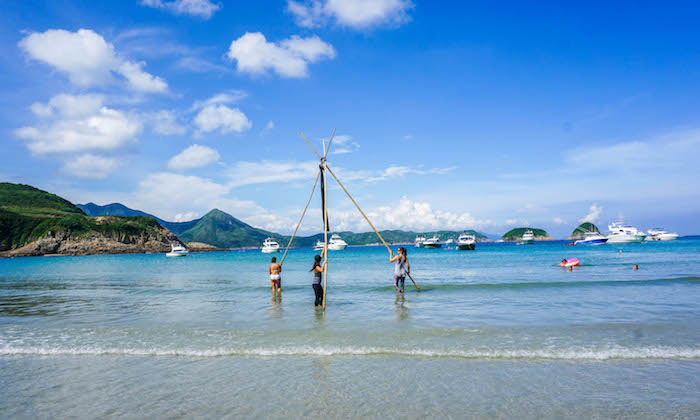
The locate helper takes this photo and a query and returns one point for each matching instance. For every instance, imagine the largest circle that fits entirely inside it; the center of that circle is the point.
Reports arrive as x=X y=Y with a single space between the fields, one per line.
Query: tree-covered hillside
x=28 y=214
x=581 y=230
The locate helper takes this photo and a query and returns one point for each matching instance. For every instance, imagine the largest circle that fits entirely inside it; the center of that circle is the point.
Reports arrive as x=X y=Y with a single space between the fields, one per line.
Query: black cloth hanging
x=323 y=200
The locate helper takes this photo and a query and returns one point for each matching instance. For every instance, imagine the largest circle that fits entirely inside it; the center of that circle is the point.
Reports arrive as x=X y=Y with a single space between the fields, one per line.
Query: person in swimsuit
x=401 y=269
x=317 y=269
x=275 y=278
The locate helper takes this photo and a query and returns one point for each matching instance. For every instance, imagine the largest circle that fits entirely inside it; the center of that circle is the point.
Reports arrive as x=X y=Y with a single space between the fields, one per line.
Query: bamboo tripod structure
x=322 y=174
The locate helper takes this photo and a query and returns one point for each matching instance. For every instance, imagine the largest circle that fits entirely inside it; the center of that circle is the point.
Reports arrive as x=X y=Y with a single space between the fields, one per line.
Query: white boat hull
x=626 y=239
x=337 y=247
x=432 y=246
x=270 y=250
x=176 y=254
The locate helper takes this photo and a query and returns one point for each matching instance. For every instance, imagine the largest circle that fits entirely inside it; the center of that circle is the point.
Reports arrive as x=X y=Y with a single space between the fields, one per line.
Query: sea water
x=499 y=332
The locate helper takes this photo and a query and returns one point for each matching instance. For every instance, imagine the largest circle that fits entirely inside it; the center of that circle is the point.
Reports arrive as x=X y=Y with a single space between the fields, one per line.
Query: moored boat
x=528 y=238
x=336 y=243
x=624 y=234
x=432 y=243
x=319 y=245
x=270 y=246
x=592 y=238
x=466 y=242
x=658 y=234
x=419 y=241
x=177 y=251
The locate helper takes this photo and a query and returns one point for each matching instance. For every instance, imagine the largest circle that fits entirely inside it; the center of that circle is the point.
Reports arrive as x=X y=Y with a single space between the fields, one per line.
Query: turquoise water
x=498 y=332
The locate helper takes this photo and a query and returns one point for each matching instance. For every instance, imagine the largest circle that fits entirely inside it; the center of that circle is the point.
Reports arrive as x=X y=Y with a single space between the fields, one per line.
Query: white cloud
x=74 y=123
x=511 y=222
x=195 y=156
x=593 y=214
x=397 y=171
x=357 y=14
x=204 y=9
x=228 y=97
x=404 y=215
x=87 y=59
x=343 y=144
x=168 y=194
x=268 y=127
x=222 y=118
x=186 y=217
x=91 y=166
x=288 y=58
x=559 y=221
x=247 y=173
x=165 y=122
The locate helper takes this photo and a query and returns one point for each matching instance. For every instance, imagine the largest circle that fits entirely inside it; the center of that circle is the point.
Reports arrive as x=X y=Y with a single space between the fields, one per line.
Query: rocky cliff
x=139 y=239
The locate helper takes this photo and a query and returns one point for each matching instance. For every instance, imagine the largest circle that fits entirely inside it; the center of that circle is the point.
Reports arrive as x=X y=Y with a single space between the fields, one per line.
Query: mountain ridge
x=225 y=231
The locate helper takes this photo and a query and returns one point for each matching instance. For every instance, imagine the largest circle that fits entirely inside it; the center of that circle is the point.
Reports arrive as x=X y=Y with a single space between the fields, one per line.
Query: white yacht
x=336 y=243
x=528 y=238
x=449 y=242
x=177 y=251
x=658 y=234
x=419 y=241
x=592 y=238
x=433 y=242
x=466 y=242
x=319 y=245
x=270 y=246
x=624 y=234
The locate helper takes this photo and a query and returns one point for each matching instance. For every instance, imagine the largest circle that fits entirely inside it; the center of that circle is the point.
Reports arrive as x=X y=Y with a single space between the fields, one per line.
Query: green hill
x=225 y=231
x=35 y=222
x=30 y=201
x=517 y=234
x=581 y=230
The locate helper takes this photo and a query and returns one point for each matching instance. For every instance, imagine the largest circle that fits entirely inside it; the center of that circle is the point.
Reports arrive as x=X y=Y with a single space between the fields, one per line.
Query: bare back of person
x=275 y=277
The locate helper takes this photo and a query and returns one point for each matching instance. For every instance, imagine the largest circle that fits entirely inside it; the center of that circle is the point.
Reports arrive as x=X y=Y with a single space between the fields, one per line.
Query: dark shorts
x=399 y=281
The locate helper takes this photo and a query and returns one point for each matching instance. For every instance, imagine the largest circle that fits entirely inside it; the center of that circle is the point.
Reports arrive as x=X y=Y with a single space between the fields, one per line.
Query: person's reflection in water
x=275 y=311
x=400 y=307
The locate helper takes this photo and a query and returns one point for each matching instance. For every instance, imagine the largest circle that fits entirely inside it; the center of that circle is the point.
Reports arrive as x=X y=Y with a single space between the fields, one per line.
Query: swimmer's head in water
x=274 y=259
x=563 y=261
x=636 y=267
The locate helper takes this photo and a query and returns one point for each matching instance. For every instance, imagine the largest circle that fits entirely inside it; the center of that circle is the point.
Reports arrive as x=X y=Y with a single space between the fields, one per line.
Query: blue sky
x=449 y=115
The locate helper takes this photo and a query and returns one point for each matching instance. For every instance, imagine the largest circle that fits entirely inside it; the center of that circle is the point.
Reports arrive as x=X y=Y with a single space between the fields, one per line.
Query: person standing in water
x=275 y=278
x=401 y=269
x=317 y=269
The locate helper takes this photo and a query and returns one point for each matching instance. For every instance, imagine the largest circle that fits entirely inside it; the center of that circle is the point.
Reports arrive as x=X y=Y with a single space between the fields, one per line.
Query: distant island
x=516 y=235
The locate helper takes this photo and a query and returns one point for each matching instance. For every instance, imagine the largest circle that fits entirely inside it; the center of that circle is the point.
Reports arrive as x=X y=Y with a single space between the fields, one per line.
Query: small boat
x=319 y=245
x=528 y=238
x=658 y=234
x=466 y=242
x=592 y=238
x=419 y=241
x=450 y=242
x=624 y=234
x=270 y=246
x=432 y=243
x=336 y=243
x=177 y=251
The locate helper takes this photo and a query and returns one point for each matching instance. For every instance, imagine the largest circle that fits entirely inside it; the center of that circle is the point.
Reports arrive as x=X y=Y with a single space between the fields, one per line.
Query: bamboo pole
x=312 y=148
x=366 y=218
x=325 y=224
x=329 y=144
x=300 y=219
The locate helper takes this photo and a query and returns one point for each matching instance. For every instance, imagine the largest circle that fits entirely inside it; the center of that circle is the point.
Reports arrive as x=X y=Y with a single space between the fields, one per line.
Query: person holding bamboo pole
x=401 y=269
x=318 y=269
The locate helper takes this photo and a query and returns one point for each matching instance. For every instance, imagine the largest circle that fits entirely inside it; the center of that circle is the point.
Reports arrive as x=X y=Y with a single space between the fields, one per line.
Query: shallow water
x=497 y=332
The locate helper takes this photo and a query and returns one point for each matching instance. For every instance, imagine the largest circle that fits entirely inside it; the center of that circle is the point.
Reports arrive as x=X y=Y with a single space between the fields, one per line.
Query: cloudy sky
x=449 y=115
